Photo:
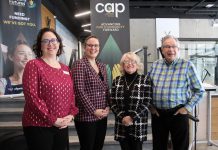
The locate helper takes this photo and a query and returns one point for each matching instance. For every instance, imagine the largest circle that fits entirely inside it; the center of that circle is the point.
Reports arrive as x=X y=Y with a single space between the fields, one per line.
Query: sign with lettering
x=110 y=23
x=20 y=20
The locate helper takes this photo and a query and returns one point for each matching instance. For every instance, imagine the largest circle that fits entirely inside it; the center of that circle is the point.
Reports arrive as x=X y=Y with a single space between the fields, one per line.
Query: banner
x=20 y=21
x=20 y=18
x=110 y=23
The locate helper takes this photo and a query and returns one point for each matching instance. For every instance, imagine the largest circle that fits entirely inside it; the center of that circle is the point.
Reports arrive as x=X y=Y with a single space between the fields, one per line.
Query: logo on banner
x=22 y=3
x=31 y=4
x=17 y=2
x=111 y=8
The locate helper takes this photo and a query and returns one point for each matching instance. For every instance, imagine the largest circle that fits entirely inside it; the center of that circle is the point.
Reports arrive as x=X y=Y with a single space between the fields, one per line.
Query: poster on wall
x=110 y=23
x=19 y=25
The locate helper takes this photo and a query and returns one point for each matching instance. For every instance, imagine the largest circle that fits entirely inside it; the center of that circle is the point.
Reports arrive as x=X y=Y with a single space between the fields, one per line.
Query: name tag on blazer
x=66 y=72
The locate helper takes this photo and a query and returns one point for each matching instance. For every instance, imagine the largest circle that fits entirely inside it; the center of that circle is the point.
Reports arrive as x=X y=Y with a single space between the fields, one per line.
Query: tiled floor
x=205 y=147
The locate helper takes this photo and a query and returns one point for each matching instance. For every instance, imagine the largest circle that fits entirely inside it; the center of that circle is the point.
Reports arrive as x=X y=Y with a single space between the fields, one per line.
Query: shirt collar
x=172 y=63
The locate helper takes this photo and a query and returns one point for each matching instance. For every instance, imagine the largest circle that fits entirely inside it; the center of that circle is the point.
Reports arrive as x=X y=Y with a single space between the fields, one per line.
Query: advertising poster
x=110 y=23
x=20 y=20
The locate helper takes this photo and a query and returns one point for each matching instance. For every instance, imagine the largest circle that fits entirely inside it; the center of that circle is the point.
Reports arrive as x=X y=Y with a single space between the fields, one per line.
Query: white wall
x=197 y=28
x=142 y=33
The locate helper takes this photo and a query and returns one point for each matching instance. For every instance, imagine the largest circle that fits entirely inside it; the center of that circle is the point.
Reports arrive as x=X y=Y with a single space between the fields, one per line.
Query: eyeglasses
x=92 y=45
x=129 y=62
x=168 y=46
x=52 y=41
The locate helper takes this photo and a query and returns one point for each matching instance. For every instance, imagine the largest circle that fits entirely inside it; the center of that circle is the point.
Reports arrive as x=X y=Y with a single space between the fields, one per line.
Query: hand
x=63 y=122
x=154 y=111
x=68 y=119
x=127 y=121
x=182 y=111
x=99 y=113
x=60 y=122
x=106 y=111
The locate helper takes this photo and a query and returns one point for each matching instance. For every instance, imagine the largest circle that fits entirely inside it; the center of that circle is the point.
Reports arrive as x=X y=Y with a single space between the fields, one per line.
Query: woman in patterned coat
x=91 y=94
x=130 y=97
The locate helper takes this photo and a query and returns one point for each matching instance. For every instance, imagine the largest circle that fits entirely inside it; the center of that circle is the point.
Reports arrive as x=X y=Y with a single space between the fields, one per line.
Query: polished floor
x=205 y=147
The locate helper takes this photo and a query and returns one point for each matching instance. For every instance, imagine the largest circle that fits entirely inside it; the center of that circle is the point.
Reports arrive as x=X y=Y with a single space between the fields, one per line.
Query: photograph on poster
x=13 y=65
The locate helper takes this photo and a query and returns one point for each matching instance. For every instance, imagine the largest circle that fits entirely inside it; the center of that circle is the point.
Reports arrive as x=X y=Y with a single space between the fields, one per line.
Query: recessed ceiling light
x=82 y=14
x=215 y=24
x=86 y=25
x=209 y=5
x=86 y=30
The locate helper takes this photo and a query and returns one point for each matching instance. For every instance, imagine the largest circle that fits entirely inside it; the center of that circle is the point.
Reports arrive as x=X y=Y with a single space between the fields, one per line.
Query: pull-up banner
x=110 y=23
x=20 y=20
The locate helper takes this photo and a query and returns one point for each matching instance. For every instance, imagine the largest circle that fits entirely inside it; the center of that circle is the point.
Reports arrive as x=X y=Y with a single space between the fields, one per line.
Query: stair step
x=11 y=103
x=11 y=110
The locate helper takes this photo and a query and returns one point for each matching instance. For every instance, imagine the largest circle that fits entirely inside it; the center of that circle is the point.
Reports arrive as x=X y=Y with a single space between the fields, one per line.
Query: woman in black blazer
x=130 y=97
x=91 y=97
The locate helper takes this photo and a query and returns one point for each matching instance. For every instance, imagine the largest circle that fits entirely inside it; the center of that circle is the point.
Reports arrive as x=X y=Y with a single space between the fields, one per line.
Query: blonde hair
x=131 y=56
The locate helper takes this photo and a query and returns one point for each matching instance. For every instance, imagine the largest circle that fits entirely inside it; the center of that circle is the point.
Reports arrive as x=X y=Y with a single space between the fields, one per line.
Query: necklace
x=128 y=86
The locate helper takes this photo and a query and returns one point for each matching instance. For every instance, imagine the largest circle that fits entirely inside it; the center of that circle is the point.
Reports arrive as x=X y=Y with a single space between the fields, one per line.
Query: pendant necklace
x=128 y=86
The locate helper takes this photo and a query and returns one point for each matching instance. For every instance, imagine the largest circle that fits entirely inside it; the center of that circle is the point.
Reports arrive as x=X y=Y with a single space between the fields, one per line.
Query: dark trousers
x=46 y=138
x=176 y=125
x=91 y=134
x=130 y=144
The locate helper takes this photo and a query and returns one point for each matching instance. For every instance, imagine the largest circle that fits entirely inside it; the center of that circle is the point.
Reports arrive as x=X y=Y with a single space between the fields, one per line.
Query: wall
x=197 y=28
x=142 y=33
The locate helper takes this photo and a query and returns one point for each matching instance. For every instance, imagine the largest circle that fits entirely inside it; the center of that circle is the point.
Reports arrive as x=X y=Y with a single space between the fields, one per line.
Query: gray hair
x=131 y=56
x=169 y=37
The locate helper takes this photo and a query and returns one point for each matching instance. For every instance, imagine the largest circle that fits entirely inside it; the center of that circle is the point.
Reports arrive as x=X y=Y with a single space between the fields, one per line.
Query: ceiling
x=66 y=9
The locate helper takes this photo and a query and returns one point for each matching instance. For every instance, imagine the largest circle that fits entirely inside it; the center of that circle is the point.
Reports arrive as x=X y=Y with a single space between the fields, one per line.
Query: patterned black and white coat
x=137 y=106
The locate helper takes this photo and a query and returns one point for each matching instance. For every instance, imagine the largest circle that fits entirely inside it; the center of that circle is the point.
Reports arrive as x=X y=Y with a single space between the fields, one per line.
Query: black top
x=129 y=82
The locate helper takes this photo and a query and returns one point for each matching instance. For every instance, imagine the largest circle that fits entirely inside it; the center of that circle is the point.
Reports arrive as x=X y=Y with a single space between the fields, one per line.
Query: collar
x=172 y=63
x=130 y=76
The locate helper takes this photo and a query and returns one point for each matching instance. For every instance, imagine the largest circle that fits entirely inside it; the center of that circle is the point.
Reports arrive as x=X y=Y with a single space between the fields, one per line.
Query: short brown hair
x=89 y=37
x=37 y=46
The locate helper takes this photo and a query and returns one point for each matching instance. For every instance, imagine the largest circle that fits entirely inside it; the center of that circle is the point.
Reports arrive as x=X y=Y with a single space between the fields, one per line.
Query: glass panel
x=204 y=55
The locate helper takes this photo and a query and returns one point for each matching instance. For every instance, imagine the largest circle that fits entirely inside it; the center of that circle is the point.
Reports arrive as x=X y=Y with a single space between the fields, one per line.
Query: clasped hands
x=127 y=121
x=63 y=122
x=102 y=113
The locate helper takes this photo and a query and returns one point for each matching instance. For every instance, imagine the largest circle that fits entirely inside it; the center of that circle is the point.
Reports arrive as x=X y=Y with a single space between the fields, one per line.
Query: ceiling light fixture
x=86 y=25
x=83 y=14
x=209 y=5
x=86 y=30
x=214 y=23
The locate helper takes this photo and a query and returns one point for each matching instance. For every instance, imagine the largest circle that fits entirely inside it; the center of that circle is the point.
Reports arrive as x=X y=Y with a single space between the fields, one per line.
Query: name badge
x=66 y=72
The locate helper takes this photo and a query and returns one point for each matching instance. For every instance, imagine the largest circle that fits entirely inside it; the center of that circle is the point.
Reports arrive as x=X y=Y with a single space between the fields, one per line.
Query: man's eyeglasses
x=92 y=45
x=129 y=62
x=168 y=46
x=52 y=41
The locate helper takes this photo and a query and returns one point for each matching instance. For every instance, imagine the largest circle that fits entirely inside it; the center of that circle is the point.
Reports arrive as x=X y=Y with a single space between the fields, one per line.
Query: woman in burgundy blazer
x=91 y=96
